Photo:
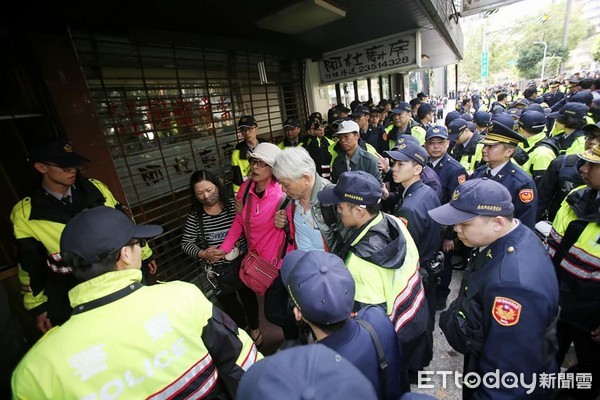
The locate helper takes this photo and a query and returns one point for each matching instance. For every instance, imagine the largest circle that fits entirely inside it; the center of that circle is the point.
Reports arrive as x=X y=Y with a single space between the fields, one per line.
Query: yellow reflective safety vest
x=129 y=341
x=38 y=222
x=574 y=244
x=384 y=262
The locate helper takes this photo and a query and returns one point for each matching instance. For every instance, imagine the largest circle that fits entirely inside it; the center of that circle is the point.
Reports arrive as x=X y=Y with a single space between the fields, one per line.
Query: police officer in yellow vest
x=38 y=222
x=124 y=339
x=384 y=261
x=240 y=167
x=574 y=244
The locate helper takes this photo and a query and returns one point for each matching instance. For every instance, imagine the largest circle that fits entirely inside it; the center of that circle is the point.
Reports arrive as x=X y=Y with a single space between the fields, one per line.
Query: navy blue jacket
x=505 y=315
x=412 y=209
x=354 y=343
x=451 y=174
x=522 y=190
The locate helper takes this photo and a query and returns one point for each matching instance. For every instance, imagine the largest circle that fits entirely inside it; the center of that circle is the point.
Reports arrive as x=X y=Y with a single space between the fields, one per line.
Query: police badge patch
x=505 y=311
x=526 y=195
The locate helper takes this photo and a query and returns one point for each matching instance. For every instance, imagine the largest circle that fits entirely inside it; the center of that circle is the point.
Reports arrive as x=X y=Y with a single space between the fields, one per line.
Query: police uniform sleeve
x=231 y=349
x=515 y=321
x=526 y=204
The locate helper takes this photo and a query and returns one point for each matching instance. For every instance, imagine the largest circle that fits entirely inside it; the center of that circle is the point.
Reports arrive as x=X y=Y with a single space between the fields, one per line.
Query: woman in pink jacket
x=261 y=197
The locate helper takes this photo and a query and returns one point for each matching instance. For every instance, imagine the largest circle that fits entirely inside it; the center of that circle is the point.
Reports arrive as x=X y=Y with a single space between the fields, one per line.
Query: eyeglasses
x=65 y=169
x=141 y=242
x=258 y=163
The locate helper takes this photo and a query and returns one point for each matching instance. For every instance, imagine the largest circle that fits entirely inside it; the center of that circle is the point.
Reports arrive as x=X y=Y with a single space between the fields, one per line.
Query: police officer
x=567 y=131
x=240 y=166
x=125 y=338
x=467 y=149
x=383 y=259
x=318 y=145
x=407 y=162
x=540 y=149
x=360 y=115
x=322 y=290
x=504 y=318
x=500 y=145
x=554 y=95
x=38 y=222
x=401 y=125
x=451 y=174
x=574 y=245
x=562 y=176
x=291 y=129
x=428 y=176
x=482 y=119
x=375 y=129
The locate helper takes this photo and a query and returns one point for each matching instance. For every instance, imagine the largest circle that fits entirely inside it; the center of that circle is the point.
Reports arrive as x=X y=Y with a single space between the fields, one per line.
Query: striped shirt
x=195 y=238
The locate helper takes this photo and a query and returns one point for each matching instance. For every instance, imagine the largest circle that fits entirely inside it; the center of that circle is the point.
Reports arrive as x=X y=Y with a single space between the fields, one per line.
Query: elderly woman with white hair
x=314 y=224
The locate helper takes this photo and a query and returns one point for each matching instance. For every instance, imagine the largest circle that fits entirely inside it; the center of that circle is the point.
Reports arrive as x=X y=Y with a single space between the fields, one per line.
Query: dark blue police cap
x=423 y=110
x=57 y=152
x=474 y=198
x=582 y=97
x=406 y=139
x=408 y=151
x=358 y=187
x=436 y=131
x=319 y=284
x=456 y=127
x=312 y=372
x=451 y=116
x=505 y=119
x=247 y=121
x=342 y=108
x=482 y=118
x=402 y=106
x=467 y=117
x=360 y=110
x=471 y=126
x=533 y=107
x=577 y=110
x=532 y=121
x=291 y=123
x=98 y=231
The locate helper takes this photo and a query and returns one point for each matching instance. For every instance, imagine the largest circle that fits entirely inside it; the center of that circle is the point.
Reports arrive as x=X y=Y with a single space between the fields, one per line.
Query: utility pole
x=566 y=31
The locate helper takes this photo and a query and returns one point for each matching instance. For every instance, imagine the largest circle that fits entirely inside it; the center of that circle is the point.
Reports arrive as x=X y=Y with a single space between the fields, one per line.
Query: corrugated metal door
x=167 y=111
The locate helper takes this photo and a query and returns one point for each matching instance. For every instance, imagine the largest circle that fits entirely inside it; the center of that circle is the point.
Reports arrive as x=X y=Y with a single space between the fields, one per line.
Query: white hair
x=292 y=163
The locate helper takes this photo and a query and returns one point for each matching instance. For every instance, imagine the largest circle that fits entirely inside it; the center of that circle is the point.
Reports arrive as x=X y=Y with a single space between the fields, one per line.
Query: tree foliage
x=512 y=53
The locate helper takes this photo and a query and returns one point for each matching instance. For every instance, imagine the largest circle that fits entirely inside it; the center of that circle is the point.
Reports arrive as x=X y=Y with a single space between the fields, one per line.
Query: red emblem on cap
x=506 y=311
x=526 y=195
x=462 y=179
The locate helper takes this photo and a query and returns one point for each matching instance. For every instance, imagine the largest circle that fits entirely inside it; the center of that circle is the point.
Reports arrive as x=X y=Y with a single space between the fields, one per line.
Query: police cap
x=474 y=198
x=58 y=152
x=500 y=133
x=408 y=151
x=247 y=121
x=573 y=109
x=533 y=121
x=358 y=187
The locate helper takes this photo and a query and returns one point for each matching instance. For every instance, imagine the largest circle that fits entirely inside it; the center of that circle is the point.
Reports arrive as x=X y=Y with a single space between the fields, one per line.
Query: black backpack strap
x=246 y=191
x=380 y=355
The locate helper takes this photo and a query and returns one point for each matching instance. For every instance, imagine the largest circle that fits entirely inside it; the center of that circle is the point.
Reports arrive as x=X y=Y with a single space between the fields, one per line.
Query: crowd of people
x=350 y=229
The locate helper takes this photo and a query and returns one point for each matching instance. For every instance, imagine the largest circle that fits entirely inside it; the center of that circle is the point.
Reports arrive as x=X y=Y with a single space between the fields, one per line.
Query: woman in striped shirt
x=206 y=226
